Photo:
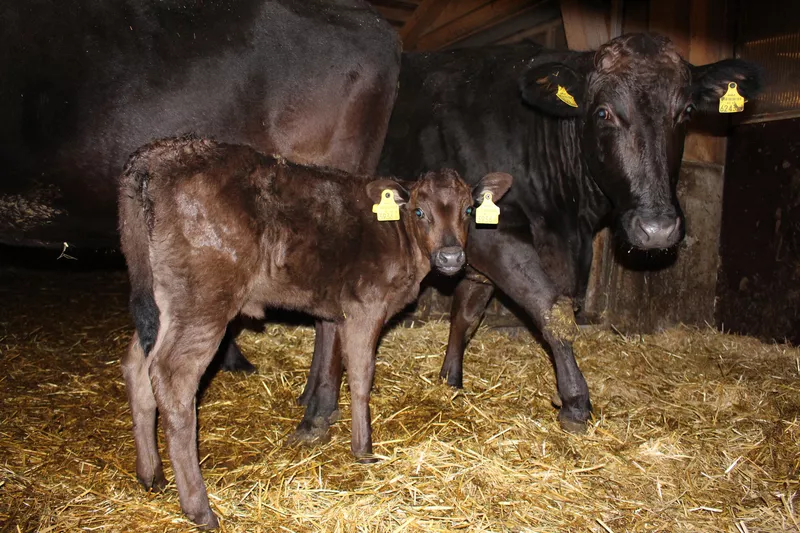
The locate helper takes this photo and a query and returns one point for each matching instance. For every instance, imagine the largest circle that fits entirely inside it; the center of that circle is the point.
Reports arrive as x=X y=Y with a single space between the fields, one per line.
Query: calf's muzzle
x=449 y=260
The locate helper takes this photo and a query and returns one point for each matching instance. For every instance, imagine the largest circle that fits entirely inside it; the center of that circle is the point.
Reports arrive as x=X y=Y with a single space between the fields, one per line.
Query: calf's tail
x=135 y=227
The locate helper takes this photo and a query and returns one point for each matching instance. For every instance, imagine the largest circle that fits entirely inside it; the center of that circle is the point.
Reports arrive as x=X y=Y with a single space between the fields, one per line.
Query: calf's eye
x=603 y=113
x=419 y=212
x=469 y=211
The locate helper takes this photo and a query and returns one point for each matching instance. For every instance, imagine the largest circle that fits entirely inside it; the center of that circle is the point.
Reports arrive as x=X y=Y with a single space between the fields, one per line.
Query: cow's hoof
x=367 y=460
x=235 y=361
x=157 y=483
x=570 y=425
x=314 y=431
x=205 y=520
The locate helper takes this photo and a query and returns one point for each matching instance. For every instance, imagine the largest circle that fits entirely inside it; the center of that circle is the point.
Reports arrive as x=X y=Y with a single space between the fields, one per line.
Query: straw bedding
x=694 y=431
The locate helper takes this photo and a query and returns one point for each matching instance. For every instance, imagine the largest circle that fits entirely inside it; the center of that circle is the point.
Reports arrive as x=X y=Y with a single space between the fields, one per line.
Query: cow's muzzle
x=658 y=232
x=449 y=260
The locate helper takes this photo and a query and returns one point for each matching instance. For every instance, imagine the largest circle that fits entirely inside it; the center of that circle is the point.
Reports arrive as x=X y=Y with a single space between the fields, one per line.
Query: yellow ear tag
x=565 y=97
x=487 y=212
x=387 y=209
x=731 y=101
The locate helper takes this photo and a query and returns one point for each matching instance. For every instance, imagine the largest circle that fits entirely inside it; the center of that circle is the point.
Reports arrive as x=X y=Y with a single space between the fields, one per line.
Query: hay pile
x=695 y=431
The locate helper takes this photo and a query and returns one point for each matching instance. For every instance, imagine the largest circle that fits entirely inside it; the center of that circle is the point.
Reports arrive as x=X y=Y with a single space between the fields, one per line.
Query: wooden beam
x=472 y=17
x=420 y=20
x=708 y=42
x=585 y=23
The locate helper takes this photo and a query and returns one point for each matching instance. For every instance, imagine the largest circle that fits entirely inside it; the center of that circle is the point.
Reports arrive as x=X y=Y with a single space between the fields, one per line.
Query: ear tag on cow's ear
x=387 y=209
x=487 y=212
x=731 y=101
x=565 y=97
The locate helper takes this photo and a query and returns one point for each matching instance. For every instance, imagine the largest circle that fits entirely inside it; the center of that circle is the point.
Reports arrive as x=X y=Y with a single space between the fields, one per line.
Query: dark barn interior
x=691 y=354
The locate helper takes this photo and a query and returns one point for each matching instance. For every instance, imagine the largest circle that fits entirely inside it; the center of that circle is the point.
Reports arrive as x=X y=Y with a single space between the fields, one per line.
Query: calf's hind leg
x=149 y=470
x=177 y=367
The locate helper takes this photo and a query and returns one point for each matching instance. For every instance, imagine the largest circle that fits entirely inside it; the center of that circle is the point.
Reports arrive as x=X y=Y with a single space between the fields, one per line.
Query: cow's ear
x=376 y=188
x=710 y=82
x=554 y=88
x=496 y=183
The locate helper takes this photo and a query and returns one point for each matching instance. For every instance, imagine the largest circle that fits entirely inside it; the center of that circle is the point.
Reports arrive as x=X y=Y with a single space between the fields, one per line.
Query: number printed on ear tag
x=387 y=209
x=487 y=212
x=731 y=101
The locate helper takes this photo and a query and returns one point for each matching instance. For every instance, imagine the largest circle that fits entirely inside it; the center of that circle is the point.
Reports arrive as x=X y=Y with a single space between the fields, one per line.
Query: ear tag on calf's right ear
x=731 y=101
x=487 y=212
x=387 y=209
x=565 y=97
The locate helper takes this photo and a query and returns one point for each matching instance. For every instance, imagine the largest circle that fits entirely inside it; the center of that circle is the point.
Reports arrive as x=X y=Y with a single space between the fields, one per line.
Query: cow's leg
x=177 y=366
x=514 y=266
x=232 y=358
x=322 y=389
x=469 y=304
x=149 y=470
x=358 y=338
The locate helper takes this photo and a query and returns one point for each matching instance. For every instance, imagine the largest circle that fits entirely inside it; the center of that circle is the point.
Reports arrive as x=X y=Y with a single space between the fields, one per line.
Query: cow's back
x=84 y=83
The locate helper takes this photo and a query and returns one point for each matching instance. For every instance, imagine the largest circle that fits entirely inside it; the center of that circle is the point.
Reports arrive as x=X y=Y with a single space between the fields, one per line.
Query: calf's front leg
x=358 y=337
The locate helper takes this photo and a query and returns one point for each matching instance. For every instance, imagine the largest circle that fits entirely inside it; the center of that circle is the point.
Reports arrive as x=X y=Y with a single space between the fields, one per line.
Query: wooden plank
x=636 y=16
x=585 y=23
x=422 y=17
x=672 y=20
x=708 y=42
x=486 y=16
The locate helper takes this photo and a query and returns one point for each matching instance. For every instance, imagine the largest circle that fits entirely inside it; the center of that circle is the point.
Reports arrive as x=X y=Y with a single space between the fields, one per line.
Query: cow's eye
x=419 y=212
x=469 y=211
x=688 y=111
x=603 y=113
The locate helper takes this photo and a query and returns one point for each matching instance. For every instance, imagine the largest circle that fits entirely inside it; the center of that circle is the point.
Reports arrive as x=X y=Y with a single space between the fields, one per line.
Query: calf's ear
x=375 y=189
x=710 y=82
x=496 y=183
x=554 y=88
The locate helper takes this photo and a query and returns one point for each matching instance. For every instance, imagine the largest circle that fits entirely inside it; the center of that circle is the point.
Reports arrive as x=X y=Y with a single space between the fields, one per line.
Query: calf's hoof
x=313 y=431
x=156 y=483
x=205 y=519
x=367 y=459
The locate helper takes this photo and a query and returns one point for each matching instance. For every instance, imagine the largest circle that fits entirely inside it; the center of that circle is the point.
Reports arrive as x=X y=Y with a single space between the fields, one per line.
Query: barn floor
x=694 y=431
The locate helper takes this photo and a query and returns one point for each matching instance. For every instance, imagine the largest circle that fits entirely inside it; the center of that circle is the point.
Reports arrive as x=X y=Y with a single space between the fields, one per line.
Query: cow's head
x=632 y=100
x=437 y=209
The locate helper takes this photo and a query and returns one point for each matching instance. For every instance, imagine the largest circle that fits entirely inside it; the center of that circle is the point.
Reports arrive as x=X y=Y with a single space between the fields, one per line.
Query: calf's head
x=632 y=100
x=437 y=209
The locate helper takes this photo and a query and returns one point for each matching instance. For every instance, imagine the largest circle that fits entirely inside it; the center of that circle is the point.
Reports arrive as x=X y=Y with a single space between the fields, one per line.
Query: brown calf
x=210 y=230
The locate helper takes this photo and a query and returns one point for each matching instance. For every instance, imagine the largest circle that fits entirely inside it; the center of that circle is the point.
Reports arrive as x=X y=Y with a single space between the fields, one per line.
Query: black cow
x=84 y=83
x=608 y=149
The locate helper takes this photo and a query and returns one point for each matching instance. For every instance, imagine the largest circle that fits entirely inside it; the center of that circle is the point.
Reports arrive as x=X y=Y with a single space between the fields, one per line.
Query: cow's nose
x=449 y=260
x=657 y=232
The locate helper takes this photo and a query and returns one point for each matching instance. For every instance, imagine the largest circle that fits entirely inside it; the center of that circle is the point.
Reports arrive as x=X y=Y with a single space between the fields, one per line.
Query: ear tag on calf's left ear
x=731 y=101
x=487 y=212
x=565 y=97
x=387 y=209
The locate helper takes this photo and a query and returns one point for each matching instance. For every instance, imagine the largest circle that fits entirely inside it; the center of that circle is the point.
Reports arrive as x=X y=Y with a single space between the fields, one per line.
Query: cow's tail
x=135 y=227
